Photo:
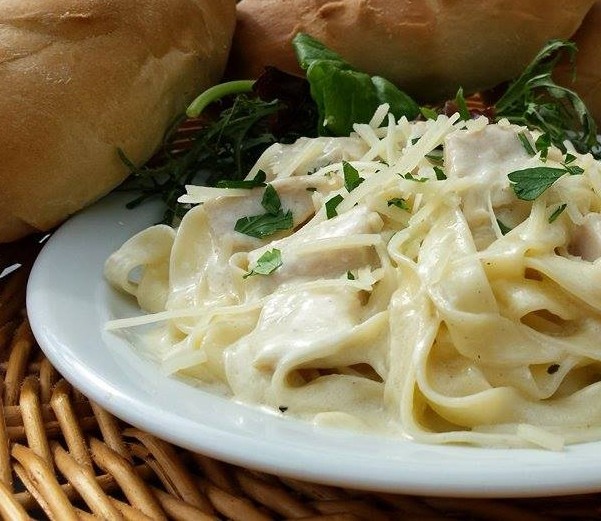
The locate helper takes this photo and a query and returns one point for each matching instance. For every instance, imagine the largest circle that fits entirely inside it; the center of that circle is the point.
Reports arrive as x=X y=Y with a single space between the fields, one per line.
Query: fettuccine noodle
x=430 y=302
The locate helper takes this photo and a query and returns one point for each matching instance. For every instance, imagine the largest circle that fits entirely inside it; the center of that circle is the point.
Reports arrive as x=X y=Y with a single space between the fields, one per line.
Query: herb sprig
x=536 y=101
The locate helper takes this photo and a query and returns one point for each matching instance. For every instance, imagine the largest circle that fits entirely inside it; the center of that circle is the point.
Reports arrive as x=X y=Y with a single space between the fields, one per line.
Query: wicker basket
x=63 y=457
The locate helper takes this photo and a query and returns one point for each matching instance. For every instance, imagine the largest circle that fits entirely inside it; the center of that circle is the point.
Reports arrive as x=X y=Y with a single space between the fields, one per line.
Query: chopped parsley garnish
x=271 y=200
x=529 y=183
x=526 y=144
x=264 y=225
x=267 y=263
x=553 y=368
x=503 y=227
x=257 y=181
x=542 y=144
x=572 y=169
x=409 y=176
x=332 y=204
x=440 y=175
x=436 y=156
x=349 y=275
x=351 y=176
x=399 y=202
x=558 y=211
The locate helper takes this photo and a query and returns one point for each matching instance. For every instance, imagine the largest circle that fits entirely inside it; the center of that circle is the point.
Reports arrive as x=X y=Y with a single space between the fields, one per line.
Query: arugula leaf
x=266 y=264
x=332 y=204
x=535 y=100
x=351 y=176
x=343 y=95
x=529 y=183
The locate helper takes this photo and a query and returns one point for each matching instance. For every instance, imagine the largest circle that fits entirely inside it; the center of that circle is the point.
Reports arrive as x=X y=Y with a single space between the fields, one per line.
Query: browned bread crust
x=428 y=47
x=82 y=78
x=585 y=79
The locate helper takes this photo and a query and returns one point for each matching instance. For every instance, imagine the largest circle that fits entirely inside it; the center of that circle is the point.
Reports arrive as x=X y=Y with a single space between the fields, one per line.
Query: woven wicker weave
x=63 y=457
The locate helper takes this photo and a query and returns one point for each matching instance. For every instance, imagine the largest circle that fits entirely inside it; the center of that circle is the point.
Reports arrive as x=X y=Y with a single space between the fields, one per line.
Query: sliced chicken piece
x=328 y=249
x=295 y=195
x=486 y=157
x=308 y=155
x=586 y=242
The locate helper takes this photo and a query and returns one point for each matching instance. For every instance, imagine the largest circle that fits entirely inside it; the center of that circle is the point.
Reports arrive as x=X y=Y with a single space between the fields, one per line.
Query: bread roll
x=82 y=78
x=587 y=79
x=428 y=48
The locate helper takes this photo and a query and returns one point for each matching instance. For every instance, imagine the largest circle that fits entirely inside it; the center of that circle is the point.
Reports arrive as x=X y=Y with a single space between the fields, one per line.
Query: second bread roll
x=428 y=48
x=585 y=78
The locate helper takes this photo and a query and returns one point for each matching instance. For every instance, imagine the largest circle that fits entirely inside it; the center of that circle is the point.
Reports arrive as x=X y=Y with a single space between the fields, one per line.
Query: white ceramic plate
x=69 y=303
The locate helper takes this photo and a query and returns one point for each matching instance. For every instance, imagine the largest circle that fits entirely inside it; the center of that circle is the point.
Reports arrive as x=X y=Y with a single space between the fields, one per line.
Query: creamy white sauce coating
x=411 y=312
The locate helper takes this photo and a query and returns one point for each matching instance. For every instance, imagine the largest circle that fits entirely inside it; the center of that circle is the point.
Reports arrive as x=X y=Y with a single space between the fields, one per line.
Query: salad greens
x=343 y=95
x=536 y=101
x=223 y=149
x=234 y=122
